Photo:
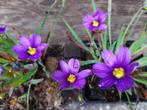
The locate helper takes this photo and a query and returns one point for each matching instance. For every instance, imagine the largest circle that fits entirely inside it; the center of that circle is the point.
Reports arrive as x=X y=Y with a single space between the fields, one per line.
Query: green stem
x=44 y=69
x=28 y=95
x=130 y=105
x=93 y=5
x=80 y=97
x=109 y=20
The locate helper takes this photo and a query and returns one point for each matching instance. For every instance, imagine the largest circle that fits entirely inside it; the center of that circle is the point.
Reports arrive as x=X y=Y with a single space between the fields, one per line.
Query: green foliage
x=141 y=81
x=6 y=44
x=93 y=5
x=143 y=74
x=76 y=36
x=142 y=61
x=104 y=41
x=39 y=29
x=131 y=23
x=112 y=47
x=138 y=43
x=88 y=62
x=120 y=39
x=109 y=20
x=18 y=80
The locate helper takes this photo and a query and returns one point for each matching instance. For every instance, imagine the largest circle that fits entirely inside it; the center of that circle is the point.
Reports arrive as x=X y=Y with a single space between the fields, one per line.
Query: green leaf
x=12 y=38
x=36 y=81
x=112 y=47
x=88 y=32
x=76 y=36
x=135 y=17
x=138 y=43
x=93 y=5
x=17 y=81
x=42 y=24
x=143 y=74
x=88 y=62
x=109 y=20
x=120 y=40
x=142 y=61
x=2 y=60
x=140 y=51
x=130 y=92
x=141 y=81
x=104 y=40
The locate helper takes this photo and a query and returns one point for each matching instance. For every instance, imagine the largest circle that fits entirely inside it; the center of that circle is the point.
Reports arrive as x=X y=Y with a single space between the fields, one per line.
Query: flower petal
x=102 y=27
x=107 y=82
x=102 y=17
x=42 y=47
x=36 y=56
x=80 y=83
x=132 y=67
x=25 y=42
x=64 y=66
x=59 y=76
x=123 y=55
x=64 y=85
x=92 y=28
x=109 y=57
x=87 y=20
x=125 y=83
x=101 y=70
x=83 y=74
x=21 y=52
x=74 y=65
x=35 y=40
x=3 y=29
x=97 y=14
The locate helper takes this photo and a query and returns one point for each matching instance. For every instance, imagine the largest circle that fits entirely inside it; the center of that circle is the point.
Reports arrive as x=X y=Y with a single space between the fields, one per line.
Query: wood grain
x=23 y=16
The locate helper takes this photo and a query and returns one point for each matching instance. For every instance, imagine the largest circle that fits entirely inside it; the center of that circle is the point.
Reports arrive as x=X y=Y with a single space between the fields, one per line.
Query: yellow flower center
x=71 y=78
x=32 y=51
x=95 y=23
x=119 y=73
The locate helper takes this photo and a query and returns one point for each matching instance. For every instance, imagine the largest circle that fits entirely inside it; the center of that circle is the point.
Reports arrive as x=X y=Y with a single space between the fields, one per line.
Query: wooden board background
x=22 y=16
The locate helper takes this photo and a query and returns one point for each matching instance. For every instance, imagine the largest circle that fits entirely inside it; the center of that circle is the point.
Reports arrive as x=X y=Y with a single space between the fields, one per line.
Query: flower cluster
x=69 y=75
x=115 y=64
x=95 y=21
x=30 y=48
x=116 y=70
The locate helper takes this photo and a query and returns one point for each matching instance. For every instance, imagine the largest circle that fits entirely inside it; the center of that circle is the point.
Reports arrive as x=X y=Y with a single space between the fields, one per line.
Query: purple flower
x=30 y=48
x=95 y=21
x=116 y=70
x=3 y=29
x=69 y=75
x=1 y=70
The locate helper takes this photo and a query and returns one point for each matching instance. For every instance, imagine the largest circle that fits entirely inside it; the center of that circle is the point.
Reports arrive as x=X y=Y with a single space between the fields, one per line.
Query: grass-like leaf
x=112 y=47
x=76 y=36
x=138 y=43
x=131 y=23
x=144 y=82
x=109 y=20
x=120 y=40
x=88 y=62
x=104 y=40
x=144 y=74
x=142 y=61
x=93 y=5
x=41 y=25
x=12 y=38
x=140 y=51
x=17 y=81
